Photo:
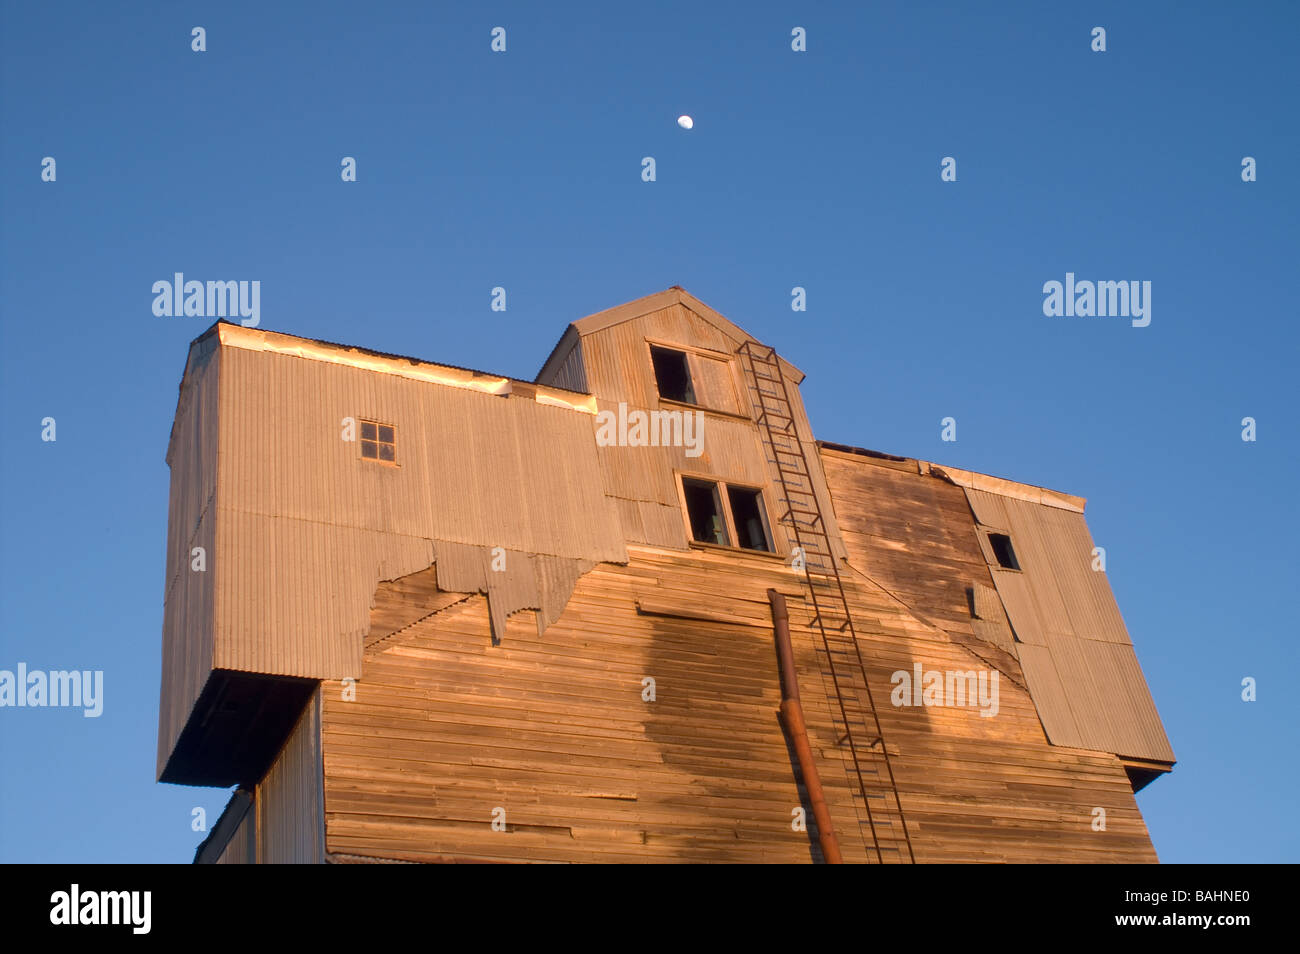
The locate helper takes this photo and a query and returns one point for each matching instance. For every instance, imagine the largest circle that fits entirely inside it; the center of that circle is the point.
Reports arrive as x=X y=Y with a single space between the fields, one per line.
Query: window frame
x=763 y=517
x=721 y=503
x=722 y=487
x=691 y=352
x=690 y=374
x=991 y=550
x=361 y=441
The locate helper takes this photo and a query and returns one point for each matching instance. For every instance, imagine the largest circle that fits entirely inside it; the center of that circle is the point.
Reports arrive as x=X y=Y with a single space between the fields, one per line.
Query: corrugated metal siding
x=680 y=323
x=529 y=581
x=988 y=509
x=1090 y=604
x=290 y=804
x=727 y=336
x=817 y=472
x=294 y=595
x=1076 y=653
x=187 y=647
x=242 y=847
x=571 y=373
x=308 y=528
x=666 y=524
x=1022 y=611
x=472 y=467
x=619 y=370
x=1050 y=696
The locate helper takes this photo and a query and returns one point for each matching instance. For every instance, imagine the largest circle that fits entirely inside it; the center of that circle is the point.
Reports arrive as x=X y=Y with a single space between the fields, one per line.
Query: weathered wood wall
x=914 y=535
x=553 y=729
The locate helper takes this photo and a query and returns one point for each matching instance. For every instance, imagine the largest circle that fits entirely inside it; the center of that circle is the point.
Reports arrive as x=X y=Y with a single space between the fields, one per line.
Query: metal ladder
x=880 y=813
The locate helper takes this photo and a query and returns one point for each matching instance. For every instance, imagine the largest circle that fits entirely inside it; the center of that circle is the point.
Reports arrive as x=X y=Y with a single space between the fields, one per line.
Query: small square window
x=749 y=519
x=704 y=507
x=378 y=442
x=1002 y=549
x=672 y=374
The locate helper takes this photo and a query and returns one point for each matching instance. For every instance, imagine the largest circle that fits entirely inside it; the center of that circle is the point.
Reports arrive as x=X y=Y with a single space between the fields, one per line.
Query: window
x=379 y=442
x=744 y=517
x=672 y=374
x=747 y=514
x=1002 y=549
x=704 y=507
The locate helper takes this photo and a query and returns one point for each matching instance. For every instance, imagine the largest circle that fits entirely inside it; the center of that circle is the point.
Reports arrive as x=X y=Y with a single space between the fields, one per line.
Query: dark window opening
x=1003 y=550
x=704 y=508
x=378 y=441
x=673 y=375
x=748 y=517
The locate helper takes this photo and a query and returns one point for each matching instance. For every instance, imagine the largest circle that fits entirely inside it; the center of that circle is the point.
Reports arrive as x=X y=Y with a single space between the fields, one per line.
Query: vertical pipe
x=792 y=717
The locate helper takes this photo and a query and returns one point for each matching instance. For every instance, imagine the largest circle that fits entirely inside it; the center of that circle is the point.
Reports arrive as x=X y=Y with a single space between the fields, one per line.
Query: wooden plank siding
x=553 y=729
x=913 y=535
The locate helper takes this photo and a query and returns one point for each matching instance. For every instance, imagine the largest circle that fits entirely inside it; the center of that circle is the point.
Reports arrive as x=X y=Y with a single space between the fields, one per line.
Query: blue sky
x=523 y=170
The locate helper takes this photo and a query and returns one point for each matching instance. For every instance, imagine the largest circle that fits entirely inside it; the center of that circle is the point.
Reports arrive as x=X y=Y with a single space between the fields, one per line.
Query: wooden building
x=422 y=613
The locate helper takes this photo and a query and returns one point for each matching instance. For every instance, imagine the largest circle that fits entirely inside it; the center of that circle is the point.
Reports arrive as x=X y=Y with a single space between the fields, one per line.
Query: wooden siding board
x=553 y=728
x=914 y=535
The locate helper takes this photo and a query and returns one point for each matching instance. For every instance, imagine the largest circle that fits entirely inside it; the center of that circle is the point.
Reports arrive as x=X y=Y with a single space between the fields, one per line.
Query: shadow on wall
x=714 y=723
x=882 y=653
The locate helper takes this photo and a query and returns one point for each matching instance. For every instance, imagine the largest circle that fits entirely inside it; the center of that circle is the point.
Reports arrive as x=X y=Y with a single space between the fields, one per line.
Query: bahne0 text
x=1163 y=897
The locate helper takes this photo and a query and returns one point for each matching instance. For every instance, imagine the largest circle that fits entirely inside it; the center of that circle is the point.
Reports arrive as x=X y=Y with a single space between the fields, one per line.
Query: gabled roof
x=676 y=295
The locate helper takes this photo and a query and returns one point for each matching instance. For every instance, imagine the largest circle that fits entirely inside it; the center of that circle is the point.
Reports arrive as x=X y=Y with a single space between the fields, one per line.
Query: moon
x=685 y=122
